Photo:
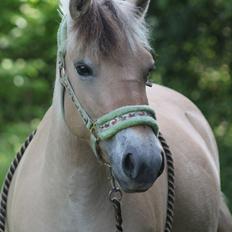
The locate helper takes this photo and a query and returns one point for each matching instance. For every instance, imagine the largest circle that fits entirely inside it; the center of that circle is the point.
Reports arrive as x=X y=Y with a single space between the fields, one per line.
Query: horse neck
x=72 y=158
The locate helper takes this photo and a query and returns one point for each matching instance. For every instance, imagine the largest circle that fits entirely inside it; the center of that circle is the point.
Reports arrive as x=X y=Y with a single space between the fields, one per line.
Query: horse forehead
x=140 y=57
x=105 y=29
x=122 y=58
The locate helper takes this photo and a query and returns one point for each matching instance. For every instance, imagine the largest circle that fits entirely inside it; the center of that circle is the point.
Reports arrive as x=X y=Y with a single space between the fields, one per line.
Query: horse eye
x=84 y=70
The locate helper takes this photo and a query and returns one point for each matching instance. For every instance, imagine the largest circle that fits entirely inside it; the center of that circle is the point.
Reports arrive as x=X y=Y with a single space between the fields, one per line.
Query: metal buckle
x=61 y=65
x=62 y=71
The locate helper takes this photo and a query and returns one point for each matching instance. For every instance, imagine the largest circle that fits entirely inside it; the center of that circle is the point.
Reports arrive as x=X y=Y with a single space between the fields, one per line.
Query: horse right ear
x=78 y=8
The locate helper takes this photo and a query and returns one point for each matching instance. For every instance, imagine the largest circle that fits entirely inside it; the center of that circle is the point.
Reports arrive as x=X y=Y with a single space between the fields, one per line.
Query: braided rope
x=171 y=191
x=8 y=179
x=118 y=215
x=171 y=184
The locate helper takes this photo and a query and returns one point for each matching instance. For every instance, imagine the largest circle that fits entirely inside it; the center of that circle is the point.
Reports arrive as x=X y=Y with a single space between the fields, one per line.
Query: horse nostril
x=128 y=164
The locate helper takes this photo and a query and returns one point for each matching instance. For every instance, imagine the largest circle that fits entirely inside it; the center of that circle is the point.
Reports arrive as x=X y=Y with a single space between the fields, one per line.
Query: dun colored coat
x=60 y=187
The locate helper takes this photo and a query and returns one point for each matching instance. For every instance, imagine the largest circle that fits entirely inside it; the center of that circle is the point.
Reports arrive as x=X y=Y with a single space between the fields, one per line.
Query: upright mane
x=107 y=25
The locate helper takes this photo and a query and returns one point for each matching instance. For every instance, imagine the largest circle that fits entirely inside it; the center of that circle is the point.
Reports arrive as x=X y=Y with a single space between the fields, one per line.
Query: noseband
x=111 y=123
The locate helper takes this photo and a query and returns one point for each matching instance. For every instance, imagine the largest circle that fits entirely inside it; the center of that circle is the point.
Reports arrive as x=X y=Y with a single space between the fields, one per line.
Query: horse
x=102 y=108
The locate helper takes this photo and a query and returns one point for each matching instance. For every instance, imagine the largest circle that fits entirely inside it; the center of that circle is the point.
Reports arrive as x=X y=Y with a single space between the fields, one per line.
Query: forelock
x=107 y=26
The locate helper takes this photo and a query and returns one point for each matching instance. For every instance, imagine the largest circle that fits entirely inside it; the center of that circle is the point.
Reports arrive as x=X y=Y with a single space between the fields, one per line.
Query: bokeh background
x=193 y=43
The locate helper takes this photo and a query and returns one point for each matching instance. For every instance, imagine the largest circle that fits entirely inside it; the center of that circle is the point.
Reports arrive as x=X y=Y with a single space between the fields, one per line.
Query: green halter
x=111 y=123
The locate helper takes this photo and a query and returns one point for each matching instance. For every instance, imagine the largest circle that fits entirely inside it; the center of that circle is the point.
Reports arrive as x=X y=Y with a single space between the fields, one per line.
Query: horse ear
x=142 y=6
x=78 y=8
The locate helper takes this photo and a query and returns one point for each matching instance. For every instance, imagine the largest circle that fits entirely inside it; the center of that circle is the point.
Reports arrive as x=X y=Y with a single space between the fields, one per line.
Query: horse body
x=61 y=187
x=196 y=161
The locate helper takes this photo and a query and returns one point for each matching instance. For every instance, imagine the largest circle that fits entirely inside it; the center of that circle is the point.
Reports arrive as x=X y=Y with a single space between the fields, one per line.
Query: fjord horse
x=60 y=187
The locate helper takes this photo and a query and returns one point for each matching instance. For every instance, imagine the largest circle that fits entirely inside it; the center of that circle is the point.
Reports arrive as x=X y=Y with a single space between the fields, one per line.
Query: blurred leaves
x=193 y=44
x=27 y=58
x=27 y=70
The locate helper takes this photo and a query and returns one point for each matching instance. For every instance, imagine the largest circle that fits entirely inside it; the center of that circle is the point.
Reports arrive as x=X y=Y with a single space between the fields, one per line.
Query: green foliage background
x=192 y=40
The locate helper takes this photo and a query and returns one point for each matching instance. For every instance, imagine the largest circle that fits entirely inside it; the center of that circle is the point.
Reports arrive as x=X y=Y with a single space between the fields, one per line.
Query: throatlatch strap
x=85 y=117
x=62 y=37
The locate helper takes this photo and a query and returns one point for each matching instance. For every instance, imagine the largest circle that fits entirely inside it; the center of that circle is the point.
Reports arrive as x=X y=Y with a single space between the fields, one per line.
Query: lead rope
x=8 y=179
x=171 y=184
x=115 y=195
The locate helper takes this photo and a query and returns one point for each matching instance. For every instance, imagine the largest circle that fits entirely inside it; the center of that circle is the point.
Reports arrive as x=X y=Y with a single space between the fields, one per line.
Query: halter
x=111 y=123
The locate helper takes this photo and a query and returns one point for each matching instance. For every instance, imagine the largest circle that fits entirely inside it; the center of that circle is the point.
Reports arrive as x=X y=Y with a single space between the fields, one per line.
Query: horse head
x=107 y=60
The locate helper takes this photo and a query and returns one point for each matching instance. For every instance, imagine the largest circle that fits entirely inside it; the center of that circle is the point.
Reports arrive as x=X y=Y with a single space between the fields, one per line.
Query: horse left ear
x=142 y=6
x=78 y=8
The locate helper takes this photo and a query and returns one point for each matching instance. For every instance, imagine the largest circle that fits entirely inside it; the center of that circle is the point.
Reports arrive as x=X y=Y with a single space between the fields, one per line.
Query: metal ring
x=62 y=71
x=115 y=194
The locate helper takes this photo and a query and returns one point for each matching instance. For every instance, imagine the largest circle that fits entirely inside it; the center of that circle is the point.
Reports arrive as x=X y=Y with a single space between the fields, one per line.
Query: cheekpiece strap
x=67 y=85
x=64 y=80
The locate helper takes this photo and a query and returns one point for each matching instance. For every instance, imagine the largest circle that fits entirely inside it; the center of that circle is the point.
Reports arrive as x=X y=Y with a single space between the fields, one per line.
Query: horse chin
x=134 y=189
x=130 y=187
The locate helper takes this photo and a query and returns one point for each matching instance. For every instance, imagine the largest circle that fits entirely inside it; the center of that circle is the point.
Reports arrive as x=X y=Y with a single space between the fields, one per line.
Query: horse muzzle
x=128 y=137
x=136 y=158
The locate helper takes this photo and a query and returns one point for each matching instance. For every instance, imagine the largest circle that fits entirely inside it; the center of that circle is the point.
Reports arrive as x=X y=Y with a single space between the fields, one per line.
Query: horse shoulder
x=195 y=156
x=169 y=103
